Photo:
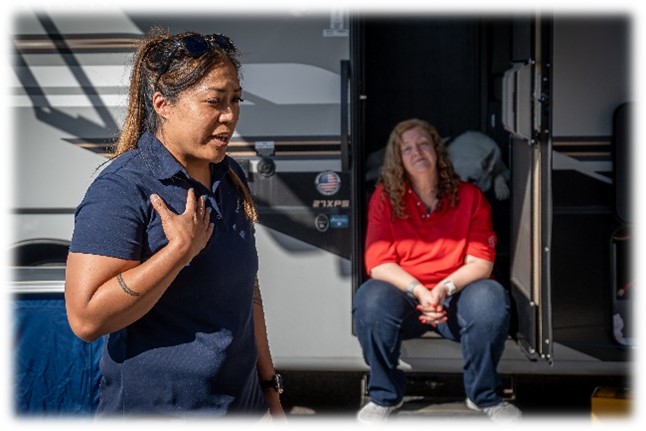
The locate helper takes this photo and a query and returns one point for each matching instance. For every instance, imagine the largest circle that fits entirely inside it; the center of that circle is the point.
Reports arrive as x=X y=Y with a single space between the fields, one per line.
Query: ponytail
x=139 y=112
x=247 y=204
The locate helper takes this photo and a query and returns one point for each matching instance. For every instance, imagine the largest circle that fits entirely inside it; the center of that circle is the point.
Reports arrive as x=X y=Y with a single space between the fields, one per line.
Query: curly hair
x=394 y=178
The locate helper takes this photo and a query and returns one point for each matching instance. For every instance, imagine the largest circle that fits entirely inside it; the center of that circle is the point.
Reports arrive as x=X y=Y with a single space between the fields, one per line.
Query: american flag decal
x=328 y=183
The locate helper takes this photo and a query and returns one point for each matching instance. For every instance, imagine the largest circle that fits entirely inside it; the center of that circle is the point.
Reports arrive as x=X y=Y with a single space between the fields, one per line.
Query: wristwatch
x=451 y=289
x=276 y=383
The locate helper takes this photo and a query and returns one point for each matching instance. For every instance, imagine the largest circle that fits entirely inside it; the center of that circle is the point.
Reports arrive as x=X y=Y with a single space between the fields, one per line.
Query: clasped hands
x=431 y=306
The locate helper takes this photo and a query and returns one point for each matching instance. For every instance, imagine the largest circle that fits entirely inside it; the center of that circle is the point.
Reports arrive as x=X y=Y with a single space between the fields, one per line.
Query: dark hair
x=393 y=175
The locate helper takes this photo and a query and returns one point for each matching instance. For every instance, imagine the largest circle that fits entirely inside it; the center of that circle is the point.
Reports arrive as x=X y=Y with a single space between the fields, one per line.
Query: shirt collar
x=418 y=204
x=164 y=166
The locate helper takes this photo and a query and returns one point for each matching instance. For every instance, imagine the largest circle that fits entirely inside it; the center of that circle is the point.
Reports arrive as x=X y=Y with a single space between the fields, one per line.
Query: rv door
x=526 y=115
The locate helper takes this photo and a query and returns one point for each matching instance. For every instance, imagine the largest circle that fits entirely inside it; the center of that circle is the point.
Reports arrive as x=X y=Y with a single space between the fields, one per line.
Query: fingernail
x=153 y=198
x=203 y=197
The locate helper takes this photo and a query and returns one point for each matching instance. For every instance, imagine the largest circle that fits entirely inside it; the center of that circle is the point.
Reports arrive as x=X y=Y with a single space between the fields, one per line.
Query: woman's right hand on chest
x=189 y=231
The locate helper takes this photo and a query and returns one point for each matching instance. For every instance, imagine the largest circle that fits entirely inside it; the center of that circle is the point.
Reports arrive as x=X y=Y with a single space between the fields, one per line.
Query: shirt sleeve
x=380 y=246
x=111 y=220
x=482 y=239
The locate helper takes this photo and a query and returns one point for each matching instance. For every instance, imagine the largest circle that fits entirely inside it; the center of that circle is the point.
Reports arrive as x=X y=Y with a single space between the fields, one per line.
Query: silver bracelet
x=411 y=287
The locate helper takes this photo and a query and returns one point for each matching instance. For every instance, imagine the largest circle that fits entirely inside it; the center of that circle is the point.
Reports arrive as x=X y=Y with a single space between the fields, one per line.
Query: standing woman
x=430 y=250
x=163 y=258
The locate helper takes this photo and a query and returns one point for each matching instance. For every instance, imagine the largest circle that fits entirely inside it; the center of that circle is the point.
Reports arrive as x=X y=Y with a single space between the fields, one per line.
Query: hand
x=431 y=305
x=275 y=408
x=191 y=230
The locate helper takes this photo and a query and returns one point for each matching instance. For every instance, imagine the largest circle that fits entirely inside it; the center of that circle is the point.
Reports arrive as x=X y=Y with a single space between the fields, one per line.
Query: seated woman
x=430 y=250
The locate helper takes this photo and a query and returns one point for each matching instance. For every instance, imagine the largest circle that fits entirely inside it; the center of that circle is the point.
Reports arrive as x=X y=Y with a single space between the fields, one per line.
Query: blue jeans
x=478 y=318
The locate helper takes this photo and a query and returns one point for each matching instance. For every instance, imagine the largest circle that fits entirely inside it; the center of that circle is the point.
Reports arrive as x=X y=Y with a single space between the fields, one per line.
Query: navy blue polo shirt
x=195 y=351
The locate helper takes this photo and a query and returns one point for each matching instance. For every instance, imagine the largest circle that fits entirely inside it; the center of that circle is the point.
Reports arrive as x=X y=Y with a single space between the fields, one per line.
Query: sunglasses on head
x=197 y=45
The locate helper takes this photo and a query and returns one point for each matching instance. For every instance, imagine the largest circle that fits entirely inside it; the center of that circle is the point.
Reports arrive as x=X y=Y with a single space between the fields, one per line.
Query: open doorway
x=445 y=70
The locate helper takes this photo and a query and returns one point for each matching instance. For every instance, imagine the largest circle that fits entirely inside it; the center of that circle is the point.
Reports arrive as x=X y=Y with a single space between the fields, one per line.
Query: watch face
x=451 y=287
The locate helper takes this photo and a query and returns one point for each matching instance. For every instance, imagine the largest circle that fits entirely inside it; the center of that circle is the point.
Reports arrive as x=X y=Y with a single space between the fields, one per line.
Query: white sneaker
x=372 y=413
x=503 y=412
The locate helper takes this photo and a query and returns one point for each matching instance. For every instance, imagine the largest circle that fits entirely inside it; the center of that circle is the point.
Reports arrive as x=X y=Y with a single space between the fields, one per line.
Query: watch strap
x=275 y=383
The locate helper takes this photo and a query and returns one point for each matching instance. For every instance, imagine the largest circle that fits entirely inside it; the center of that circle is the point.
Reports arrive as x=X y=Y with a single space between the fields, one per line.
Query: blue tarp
x=55 y=373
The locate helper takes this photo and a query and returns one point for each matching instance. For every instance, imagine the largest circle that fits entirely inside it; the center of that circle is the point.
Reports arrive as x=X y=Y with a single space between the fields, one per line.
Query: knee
x=491 y=303
x=489 y=293
x=371 y=299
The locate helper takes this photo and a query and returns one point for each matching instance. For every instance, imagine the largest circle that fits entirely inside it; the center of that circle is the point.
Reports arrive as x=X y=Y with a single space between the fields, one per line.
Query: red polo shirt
x=429 y=246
